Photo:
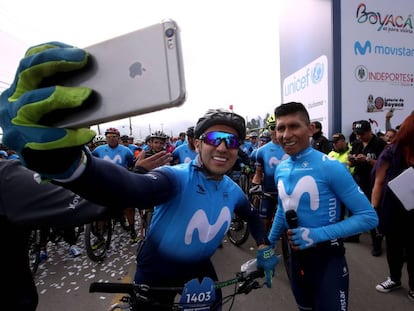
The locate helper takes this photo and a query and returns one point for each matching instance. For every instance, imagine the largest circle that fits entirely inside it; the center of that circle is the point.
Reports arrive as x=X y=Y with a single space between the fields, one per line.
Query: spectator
x=319 y=141
x=341 y=150
x=363 y=155
x=396 y=222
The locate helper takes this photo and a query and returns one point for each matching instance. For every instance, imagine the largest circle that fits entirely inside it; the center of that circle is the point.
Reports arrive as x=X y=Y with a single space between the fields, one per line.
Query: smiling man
x=310 y=196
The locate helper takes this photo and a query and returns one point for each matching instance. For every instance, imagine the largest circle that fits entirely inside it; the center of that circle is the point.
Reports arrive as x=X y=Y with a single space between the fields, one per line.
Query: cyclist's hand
x=303 y=238
x=255 y=189
x=53 y=152
x=267 y=260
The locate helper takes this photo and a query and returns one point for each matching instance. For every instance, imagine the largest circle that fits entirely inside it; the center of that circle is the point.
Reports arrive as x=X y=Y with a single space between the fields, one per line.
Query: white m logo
x=206 y=232
x=305 y=185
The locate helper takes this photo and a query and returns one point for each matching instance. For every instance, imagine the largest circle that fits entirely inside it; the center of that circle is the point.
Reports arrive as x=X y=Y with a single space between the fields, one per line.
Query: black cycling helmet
x=220 y=116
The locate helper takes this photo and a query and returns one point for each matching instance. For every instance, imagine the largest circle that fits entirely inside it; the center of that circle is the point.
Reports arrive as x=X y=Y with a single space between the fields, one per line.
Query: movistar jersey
x=268 y=158
x=192 y=213
x=120 y=155
x=314 y=185
x=184 y=153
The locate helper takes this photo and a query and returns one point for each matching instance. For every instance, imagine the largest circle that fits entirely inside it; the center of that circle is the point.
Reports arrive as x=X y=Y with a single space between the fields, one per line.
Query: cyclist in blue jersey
x=268 y=158
x=310 y=195
x=121 y=155
x=185 y=152
x=194 y=201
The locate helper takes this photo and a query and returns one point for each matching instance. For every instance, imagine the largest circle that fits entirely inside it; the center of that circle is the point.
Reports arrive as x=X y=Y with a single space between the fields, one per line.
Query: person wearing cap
x=362 y=157
x=318 y=140
x=185 y=152
x=341 y=150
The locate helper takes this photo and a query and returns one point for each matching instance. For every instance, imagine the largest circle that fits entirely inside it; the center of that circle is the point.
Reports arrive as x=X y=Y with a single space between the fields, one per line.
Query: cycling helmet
x=220 y=116
x=124 y=138
x=99 y=140
x=252 y=134
x=159 y=134
x=271 y=121
x=190 y=132
x=112 y=130
x=265 y=134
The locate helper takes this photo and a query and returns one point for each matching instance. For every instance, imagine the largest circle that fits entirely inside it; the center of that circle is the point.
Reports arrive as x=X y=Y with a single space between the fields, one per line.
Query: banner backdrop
x=377 y=61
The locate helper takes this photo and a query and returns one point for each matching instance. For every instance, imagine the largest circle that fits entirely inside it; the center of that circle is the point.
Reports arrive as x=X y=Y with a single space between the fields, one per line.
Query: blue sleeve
x=363 y=216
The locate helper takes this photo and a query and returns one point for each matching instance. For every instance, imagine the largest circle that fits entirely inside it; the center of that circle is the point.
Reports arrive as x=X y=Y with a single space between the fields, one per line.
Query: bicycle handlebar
x=129 y=288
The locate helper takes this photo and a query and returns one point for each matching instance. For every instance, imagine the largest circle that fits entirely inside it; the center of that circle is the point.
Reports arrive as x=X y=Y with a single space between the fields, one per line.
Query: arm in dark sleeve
x=111 y=185
x=26 y=202
x=256 y=227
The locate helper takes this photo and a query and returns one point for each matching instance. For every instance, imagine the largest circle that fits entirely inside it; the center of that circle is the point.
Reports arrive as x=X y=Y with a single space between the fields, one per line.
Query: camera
x=169 y=32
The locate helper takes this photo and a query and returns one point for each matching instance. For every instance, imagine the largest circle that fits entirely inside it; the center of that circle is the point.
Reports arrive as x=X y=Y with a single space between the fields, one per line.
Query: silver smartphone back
x=133 y=74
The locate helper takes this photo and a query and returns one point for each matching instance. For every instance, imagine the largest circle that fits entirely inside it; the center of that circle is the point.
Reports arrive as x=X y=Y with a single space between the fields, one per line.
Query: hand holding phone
x=136 y=73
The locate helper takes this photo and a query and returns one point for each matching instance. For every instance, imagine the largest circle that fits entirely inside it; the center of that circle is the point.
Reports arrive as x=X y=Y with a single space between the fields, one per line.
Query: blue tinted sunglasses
x=215 y=139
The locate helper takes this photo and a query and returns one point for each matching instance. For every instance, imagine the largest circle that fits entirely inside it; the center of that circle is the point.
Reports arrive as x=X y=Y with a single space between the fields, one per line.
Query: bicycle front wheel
x=98 y=236
x=238 y=232
x=34 y=250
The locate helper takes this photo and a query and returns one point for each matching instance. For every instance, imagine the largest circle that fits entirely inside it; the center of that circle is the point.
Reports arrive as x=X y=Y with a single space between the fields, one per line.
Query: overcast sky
x=230 y=47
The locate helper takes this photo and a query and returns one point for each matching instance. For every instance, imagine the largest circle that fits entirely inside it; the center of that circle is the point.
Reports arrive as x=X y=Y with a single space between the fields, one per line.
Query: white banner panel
x=309 y=85
x=377 y=61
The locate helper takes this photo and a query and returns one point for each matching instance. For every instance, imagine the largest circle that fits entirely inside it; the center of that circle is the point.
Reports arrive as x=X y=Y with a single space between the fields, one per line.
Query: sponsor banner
x=377 y=56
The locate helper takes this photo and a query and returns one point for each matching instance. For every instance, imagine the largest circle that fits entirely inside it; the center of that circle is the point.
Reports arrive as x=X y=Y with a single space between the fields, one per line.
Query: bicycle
x=98 y=236
x=35 y=243
x=238 y=232
x=194 y=296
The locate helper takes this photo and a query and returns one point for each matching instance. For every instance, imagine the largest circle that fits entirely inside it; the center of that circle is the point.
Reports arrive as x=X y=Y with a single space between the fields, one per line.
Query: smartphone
x=133 y=74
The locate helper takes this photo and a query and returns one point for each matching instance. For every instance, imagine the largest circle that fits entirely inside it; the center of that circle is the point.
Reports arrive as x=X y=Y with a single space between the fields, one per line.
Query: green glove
x=53 y=152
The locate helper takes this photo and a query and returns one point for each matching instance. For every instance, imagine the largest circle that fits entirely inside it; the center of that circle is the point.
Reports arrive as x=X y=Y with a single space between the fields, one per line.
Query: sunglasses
x=215 y=139
x=272 y=127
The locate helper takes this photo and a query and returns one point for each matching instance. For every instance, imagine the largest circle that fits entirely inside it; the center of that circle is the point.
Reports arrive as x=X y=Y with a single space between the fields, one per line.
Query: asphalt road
x=63 y=282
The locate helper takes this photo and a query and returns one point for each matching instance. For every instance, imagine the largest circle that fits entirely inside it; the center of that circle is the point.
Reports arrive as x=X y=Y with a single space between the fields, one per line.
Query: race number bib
x=196 y=296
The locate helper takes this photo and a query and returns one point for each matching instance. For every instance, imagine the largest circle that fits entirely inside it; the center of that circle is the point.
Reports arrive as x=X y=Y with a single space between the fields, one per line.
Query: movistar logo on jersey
x=116 y=160
x=305 y=185
x=206 y=232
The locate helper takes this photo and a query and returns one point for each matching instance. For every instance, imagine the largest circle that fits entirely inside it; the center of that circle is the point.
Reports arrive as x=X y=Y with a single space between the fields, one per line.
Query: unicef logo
x=317 y=73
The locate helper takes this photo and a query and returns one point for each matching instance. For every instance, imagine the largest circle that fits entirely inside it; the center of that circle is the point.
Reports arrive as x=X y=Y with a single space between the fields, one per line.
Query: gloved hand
x=307 y=237
x=53 y=152
x=267 y=260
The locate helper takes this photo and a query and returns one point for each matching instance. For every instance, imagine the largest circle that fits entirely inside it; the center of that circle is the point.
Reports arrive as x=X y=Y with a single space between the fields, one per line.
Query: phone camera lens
x=169 y=32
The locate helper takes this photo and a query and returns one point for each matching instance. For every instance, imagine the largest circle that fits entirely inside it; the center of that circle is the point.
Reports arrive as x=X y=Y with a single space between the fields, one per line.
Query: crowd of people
x=318 y=211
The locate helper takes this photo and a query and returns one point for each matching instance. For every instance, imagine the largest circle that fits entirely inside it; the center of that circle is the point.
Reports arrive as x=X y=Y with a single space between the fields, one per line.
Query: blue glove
x=53 y=152
x=307 y=237
x=267 y=260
